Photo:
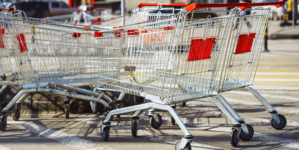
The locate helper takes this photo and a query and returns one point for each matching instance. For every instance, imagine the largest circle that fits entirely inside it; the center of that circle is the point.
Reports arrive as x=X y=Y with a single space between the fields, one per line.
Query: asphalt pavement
x=277 y=79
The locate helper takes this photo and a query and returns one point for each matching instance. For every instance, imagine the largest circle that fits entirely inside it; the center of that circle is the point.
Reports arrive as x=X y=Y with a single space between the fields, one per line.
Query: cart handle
x=242 y=6
x=164 y=5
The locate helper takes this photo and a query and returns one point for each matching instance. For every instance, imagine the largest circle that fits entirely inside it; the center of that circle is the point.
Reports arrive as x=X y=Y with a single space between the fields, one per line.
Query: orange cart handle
x=164 y=5
x=242 y=6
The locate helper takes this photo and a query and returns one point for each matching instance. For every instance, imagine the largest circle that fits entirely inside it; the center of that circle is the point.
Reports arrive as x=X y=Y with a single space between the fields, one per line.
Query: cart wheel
x=178 y=144
x=94 y=107
x=0 y=108
x=67 y=111
x=172 y=120
x=134 y=128
x=118 y=116
x=234 y=139
x=74 y=106
x=3 y=122
x=281 y=125
x=105 y=134
x=156 y=123
x=16 y=113
x=183 y=104
x=247 y=137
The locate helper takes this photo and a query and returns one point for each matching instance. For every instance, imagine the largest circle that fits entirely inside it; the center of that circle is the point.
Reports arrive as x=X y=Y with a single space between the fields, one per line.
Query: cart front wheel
x=134 y=128
x=247 y=137
x=3 y=122
x=183 y=104
x=281 y=125
x=234 y=138
x=156 y=121
x=105 y=134
x=16 y=113
x=67 y=111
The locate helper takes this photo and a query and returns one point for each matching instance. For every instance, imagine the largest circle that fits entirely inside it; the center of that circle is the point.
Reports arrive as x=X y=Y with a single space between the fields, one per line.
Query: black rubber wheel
x=16 y=113
x=94 y=107
x=234 y=139
x=67 y=111
x=0 y=108
x=183 y=104
x=281 y=125
x=172 y=120
x=118 y=116
x=178 y=144
x=156 y=123
x=134 y=128
x=74 y=106
x=247 y=137
x=105 y=134
x=3 y=122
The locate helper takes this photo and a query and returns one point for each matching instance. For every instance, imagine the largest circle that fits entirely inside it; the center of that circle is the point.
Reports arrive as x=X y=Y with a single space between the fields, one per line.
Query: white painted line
x=276 y=80
x=4 y=148
x=268 y=96
x=58 y=135
x=277 y=73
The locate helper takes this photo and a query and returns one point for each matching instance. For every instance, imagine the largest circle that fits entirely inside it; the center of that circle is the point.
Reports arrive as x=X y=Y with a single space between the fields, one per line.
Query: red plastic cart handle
x=242 y=6
x=164 y=5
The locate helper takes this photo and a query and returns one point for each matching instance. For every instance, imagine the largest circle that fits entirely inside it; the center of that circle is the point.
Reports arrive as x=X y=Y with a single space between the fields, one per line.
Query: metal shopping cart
x=42 y=56
x=170 y=73
x=241 y=61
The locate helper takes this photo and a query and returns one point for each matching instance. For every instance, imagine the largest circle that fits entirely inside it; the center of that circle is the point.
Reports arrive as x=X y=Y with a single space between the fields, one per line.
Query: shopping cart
x=41 y=56
x=240 y=63
x=164 y=66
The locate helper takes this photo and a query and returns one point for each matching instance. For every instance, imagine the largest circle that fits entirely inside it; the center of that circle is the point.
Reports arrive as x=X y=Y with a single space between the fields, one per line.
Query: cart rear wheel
x=3 y=122
x=281 y=125
x=234 y=138
x=178 y=144
x=67 y=111
x=134 y=128
x=156 y=123
x=247 y=137
x=105 y=134
x=183 y=104
x=16 y=113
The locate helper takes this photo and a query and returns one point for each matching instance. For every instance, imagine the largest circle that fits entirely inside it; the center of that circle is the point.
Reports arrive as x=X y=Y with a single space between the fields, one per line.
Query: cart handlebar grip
x=242 y=6
x=164 y=5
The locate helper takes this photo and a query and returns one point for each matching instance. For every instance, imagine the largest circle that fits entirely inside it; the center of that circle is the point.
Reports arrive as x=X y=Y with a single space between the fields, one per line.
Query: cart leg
x=233 y=112
x=278 y=121
x=119 y=101
x=106 y=123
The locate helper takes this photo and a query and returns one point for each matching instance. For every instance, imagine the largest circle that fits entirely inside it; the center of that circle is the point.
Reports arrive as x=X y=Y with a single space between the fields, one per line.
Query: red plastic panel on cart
x=201 y=49
x=118 y=33
x=22 y=42
x=95 y=21
x=245 y=43
x=2 y=31
x=98 y=34
x=133 y=32
x=76 y=35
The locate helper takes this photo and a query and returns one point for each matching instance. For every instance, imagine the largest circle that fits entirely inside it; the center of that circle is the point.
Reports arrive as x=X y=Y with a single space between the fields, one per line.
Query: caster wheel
x=247 y=137
x=105 y=134
x=184 y=104
x=134 y=128
x=156 y=123
x=67 y=111
x=94 y=107
x=118 y=116
x=3 y=122
x=74 y=106
x=178 y=144
x=172 y=120
x=281 y=125
x=234 y=138
x=16 y=113
x=1 y=108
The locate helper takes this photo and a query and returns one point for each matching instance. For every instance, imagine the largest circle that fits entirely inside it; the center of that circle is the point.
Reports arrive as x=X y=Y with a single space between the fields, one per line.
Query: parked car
x=38 y=9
